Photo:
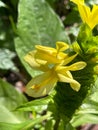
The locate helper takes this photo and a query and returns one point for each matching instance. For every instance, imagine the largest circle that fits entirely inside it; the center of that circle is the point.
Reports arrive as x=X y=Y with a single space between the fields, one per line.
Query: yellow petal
x=61 y=56
x=46 y=50
x=29 y=58
x=88 y=16
x=63 y=70
x=93 y=20
x=78 y=1
x=40 y=61
x=49 y=58
x=48 y=54
x=61 y=46
x=69 y=59
x=35 y=64
x=74 y=84
x=68 y=74
x=74 y=67
x=77 y=66
x=84 y=12
x=42 y=84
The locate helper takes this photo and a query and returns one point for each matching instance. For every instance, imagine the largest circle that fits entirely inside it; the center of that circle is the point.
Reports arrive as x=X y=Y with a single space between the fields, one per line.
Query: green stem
x=13 y=25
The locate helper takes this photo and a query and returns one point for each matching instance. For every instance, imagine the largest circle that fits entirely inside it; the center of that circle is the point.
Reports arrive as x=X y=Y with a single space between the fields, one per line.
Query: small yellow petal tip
x=61 y=46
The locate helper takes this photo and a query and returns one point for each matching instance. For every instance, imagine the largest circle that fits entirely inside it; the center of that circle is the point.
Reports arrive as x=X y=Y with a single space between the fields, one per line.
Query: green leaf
x=6 y=59
x=12 y=126
x=9 y=100
x=37 y=24
x=84 y=34
x=35 y=105
x=88 y=111
x=82 y=119
x=12 y=120
x=25 y=125
x=87 y=42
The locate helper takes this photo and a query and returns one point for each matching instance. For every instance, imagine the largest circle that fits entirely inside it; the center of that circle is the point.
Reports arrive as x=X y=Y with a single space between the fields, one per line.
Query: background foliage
x=23 y=24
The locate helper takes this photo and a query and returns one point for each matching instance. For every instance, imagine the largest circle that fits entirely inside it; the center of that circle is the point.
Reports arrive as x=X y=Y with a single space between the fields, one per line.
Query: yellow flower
x=44 y=83
x=44 y=56
x=53 y=62
x=89 y=16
